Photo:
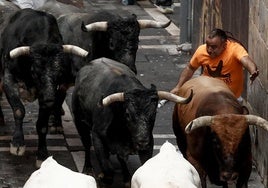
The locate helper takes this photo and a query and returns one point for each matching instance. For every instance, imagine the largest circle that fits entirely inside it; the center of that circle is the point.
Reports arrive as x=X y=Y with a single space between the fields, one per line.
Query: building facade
x=246 y=20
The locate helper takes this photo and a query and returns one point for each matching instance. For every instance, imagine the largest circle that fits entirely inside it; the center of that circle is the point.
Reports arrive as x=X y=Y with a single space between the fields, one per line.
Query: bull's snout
x=229 y=177
x=47 y=98
x=142 y=144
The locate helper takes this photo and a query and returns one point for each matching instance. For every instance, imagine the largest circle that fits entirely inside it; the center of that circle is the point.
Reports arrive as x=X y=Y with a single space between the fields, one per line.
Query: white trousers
x=33 y=4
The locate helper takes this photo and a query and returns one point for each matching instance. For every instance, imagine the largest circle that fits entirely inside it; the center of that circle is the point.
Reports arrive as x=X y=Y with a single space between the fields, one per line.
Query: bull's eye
x=129 y=111
x=216 y=144
x=127 y=114
x=111 y=45
x=215 y=141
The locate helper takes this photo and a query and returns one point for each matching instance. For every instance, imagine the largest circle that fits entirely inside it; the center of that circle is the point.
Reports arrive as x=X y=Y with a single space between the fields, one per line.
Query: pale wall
x=258 y=92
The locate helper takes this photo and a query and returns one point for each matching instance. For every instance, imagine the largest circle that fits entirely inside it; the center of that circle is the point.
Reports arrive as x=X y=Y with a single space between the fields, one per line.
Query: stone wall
x=258 y=92
x=247 y=20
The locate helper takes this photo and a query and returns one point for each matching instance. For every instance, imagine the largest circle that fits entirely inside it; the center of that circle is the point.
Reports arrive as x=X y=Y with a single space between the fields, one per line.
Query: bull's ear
x=135 y=16
x=100 y=104
x=7 y=57
x=83 y=27
x=153 y=87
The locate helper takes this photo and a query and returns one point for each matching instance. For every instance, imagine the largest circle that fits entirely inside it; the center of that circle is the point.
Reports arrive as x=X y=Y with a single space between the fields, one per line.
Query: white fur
x=53 y=175
x=168 y=169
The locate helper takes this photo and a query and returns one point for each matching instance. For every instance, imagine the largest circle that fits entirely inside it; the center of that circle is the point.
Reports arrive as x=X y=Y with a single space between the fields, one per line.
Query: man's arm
x=251 y=67
x=186 y=74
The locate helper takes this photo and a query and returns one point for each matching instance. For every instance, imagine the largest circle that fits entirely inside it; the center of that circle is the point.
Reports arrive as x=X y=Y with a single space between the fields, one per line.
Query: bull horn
x=113 y=98
x=22 y=50
x=75 y=50
x=174 y=98
x=199 y=122
x=256 y=120
x=153 y=24
x=96 y=26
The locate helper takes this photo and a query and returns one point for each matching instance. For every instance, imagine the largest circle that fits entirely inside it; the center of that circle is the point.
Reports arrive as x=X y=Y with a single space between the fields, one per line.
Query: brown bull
x=218 y=143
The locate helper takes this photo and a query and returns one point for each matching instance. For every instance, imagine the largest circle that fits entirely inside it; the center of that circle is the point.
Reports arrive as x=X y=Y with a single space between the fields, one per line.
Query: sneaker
x=165 y=6
x=165 y=9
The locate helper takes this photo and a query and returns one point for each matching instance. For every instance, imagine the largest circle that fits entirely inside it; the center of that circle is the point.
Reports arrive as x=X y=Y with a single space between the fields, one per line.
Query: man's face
x=215 y=46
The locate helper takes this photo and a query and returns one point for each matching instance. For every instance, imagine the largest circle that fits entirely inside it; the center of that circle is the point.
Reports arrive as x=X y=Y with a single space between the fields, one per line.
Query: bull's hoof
x=105 y=180
x=55 y=130
x=17 y=150
x=54 y=126
x=41 y=156
x=89 y=171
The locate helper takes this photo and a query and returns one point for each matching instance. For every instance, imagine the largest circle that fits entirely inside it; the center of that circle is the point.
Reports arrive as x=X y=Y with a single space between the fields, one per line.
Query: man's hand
x=175 y=90
x=253 y=76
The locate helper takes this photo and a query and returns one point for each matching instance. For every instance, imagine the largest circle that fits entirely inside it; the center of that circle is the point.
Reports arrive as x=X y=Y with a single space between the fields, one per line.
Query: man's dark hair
x=224 y=35
x=219 y=33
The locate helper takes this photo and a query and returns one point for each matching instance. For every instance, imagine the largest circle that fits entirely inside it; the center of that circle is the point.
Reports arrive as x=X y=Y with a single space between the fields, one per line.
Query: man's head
x=216 y=42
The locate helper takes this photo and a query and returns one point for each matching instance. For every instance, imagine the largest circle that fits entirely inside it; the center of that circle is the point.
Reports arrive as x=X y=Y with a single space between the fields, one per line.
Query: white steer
x=53 y=175
x=167 y=169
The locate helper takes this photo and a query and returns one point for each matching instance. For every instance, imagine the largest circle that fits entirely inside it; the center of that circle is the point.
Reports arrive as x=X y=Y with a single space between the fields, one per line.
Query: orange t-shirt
x=226 y=66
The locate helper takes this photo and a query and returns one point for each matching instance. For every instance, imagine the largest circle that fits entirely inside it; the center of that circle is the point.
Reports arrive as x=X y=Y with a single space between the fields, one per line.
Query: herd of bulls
x=43 y=52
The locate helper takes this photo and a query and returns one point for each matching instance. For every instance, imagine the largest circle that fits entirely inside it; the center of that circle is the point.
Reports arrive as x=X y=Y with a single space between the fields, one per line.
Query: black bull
x=122 y=122
x=32 y=57
x=103 y=34
x=106 y=34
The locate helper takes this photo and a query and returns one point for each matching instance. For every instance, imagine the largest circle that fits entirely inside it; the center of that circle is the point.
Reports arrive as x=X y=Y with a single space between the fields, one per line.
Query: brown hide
x=234 y=128
x=211 y=97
